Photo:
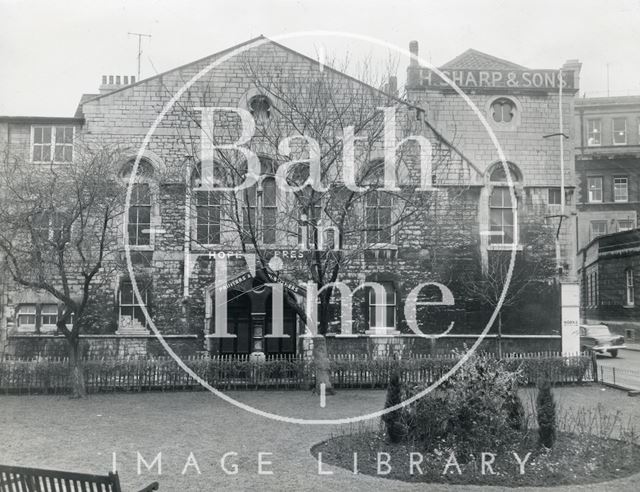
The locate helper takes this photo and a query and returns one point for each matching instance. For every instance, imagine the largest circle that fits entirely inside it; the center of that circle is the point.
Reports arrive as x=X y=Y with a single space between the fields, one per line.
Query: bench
x=22 y=479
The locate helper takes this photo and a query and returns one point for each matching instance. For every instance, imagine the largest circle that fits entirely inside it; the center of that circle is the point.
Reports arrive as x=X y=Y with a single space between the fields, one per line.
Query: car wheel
x=613 y=353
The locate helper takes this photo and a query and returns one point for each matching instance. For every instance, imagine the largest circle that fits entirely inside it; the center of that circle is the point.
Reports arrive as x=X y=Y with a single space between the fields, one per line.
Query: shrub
x=546 y=409
x=475 y=410
x=394 y=420
x=515 y=409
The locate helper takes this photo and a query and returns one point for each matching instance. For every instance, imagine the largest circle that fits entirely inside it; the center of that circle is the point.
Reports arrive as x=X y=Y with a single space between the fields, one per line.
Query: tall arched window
x=207 y=204
x=630 y=289
x=259 y=207
x=503 y=217
x=378 y=205
x=268 y=210
x=141 y=204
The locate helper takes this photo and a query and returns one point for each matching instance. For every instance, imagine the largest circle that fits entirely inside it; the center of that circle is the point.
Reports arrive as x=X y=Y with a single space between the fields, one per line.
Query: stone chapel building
x=176 y=229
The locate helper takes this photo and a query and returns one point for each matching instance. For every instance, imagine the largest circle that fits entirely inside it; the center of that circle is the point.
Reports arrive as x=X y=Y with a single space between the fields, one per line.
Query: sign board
x=234 y=282
x=570 y=299
x=494 y=79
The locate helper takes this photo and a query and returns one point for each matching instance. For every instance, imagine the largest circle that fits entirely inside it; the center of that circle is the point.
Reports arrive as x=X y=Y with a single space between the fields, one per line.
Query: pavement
x=623 y=371
x=52 y=431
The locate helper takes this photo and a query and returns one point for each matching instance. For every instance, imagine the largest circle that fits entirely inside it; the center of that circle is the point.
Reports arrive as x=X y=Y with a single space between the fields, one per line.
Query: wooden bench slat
x=102 y=479
x=24 y=479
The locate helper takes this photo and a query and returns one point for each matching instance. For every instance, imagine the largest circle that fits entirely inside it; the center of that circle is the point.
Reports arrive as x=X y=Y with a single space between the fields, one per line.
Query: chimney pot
x=104 y=79
x=110 y=79
x=117 y=79
x=133 y=79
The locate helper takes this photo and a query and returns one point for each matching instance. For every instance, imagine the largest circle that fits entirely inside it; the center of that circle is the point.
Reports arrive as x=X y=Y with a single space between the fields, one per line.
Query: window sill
x=52 y=163
x=628 y=306
x=382 y=332
x=203 y=248
x=383 y=246
x=505 y=247
x=28 y=330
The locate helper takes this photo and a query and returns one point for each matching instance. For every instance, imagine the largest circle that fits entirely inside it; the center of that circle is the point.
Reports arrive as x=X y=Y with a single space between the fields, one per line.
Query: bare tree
x=334 y=224
x=530 y=273
x=58 y=236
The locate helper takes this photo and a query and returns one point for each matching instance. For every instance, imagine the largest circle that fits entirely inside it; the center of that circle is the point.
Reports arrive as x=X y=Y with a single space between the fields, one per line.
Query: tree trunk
x=76 y=370
x=321 y=361
x=500 y=335
x=320 y=353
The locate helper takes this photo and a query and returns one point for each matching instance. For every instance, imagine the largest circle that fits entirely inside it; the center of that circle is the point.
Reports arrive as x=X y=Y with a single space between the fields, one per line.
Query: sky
x=53 y=51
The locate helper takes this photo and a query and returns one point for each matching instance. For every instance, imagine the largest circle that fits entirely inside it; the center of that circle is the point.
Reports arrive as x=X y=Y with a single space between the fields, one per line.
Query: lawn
x=56 y=432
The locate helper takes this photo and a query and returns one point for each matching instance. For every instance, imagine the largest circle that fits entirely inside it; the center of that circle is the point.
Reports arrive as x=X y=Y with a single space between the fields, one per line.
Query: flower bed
x=575 y=459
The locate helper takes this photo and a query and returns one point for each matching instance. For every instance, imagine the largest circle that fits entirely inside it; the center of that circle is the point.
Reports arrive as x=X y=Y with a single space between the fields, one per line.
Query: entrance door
x=238 y=323
x=281 y=345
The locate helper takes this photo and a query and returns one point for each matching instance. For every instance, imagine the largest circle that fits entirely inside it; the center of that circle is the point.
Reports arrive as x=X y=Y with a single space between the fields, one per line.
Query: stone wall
x=441 y=240
x=103 y=346
x=408 y=345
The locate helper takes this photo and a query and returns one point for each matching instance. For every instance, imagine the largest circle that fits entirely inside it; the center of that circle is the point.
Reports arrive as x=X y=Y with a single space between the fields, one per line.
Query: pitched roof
x=84 y=98
x=219 y=54
x=301 y=55
x=474 y=59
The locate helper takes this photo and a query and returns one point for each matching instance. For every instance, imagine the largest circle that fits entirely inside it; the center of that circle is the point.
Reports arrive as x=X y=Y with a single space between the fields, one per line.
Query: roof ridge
x=451 y=63
x=179 y=67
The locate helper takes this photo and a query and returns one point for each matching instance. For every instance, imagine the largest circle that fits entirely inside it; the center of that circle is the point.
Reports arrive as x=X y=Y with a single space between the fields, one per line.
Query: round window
x=260 y=107
x=503 y=110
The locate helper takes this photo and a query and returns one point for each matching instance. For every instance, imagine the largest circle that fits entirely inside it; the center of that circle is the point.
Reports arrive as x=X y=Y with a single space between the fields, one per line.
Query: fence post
x=614 y=375
x=594 y=363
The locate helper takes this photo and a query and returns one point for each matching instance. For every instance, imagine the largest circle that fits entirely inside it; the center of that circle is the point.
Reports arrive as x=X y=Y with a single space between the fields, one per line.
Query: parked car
x=599 y=339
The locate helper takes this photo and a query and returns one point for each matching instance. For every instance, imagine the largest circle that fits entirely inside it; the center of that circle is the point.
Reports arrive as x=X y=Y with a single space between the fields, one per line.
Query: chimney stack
x=413 y=49
x=573 y=66
x=392 y=87
x=414 y=71
x=111 y=83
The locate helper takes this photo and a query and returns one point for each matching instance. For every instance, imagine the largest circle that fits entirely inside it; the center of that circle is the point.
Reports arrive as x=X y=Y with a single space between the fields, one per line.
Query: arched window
x=268 y=210
x=503 y=110
x=260 y=107
x=207 y=210
x=259 y=207
x=378 y=204
x=503 y=217
x=498 y=173
x=207 y=217
x=630 y=288
x=139 y=217
x=378 y=211
x=140 y=204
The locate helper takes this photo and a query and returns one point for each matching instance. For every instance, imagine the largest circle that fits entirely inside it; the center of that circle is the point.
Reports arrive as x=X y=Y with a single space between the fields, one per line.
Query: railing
x=622 y=378
x=229 y=372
